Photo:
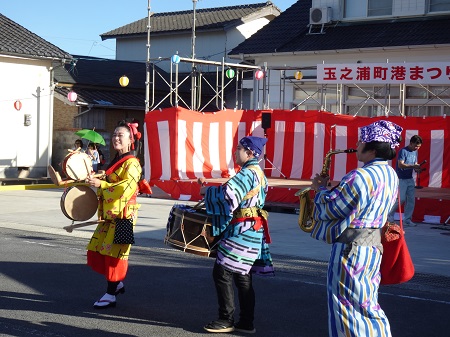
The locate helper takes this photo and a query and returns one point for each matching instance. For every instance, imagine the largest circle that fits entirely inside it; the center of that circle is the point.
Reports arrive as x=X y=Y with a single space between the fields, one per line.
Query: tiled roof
x=289 y=33
x=18 y=41
x=105 y=97
x=99 y=72
x=205 y=19
x=96 y=81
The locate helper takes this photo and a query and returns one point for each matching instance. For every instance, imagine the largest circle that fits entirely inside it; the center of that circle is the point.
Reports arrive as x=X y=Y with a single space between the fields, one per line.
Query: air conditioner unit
x=319 y=15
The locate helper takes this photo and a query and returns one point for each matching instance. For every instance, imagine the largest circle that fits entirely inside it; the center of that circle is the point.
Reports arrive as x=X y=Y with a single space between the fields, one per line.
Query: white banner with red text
x=385 y=73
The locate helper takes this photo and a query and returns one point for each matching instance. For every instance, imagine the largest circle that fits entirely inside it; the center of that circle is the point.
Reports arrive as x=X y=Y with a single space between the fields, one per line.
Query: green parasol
x=91 y=135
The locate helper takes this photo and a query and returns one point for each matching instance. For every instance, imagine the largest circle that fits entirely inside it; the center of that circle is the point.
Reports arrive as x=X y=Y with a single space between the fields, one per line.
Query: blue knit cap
x=254 y=144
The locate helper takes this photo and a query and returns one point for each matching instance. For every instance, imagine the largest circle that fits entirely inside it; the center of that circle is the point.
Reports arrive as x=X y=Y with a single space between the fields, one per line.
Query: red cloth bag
x=396 y=264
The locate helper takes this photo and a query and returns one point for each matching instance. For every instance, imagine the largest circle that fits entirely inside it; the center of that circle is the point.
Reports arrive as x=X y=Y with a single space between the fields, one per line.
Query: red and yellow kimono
x=117 y=200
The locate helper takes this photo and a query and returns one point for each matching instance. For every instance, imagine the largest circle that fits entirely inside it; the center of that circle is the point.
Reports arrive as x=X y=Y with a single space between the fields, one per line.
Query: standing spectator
x=101 y=157
x=93 y=154
x=350 y=216
x=78 y=145
x=406 y=163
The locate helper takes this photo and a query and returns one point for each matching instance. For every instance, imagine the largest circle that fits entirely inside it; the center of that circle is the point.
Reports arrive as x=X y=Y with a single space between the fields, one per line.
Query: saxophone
x=306 y=195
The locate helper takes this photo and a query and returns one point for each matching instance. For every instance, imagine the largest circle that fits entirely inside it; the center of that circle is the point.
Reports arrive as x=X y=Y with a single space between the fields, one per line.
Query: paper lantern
x=175 y=59
x=72 y=96
x=123 y=81
x=259 y=74
x=230 y=73
x=18 y=105
x=298 y=75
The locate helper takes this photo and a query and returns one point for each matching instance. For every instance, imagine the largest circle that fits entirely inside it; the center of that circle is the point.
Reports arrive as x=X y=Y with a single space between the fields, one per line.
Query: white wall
x=242 y=32
x=25 y=146
x=212 y=45
x=399 y=7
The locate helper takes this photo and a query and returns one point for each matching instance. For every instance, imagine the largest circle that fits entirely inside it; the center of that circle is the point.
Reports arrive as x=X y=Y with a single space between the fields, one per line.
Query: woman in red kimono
x=108 y=250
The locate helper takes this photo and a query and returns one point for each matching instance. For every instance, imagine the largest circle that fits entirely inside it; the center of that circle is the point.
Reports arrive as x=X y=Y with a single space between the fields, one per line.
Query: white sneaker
x=411 y=224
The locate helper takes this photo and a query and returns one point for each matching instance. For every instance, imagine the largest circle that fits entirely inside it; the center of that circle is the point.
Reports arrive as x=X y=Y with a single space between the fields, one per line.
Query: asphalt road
x=47 y=290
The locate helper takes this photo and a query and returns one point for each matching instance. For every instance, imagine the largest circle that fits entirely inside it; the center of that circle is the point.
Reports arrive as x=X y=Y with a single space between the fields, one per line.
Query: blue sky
x=75 y=26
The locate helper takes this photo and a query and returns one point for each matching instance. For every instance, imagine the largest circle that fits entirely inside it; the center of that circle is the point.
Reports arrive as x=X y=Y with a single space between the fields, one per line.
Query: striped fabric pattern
x=182 y=144
x=353 y=308
x=361 y=200
x=241 y=249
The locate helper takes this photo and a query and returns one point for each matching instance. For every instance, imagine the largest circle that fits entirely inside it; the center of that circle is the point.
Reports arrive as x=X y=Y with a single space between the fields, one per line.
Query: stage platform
x=432 y=204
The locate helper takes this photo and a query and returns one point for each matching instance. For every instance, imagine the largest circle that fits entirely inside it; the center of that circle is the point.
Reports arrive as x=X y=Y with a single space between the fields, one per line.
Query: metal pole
x=147 y=77
x=194 y=69
x=194 y=3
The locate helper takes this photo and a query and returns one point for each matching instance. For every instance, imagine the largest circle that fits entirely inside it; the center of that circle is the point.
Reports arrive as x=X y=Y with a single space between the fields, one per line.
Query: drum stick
x=83 y=224
x=58 y=181
x=87 y=168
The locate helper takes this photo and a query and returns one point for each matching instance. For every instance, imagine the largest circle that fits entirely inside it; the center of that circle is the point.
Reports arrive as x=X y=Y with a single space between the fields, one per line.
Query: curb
x=33 y=187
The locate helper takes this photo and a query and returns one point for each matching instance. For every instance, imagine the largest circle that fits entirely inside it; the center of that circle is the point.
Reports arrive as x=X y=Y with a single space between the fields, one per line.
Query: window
x=379 y=7
x=305 y=93
x=354 y=8
x=424 y=110
x=416 y=92
x=431 y=92
x=440 y=91
x=357 y=93
x=377 y=92
x=439 y=5
x=367 y=8
x=393 y=91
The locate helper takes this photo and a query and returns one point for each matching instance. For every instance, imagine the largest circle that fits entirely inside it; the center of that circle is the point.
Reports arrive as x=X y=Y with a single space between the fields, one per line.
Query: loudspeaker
x=266 y=120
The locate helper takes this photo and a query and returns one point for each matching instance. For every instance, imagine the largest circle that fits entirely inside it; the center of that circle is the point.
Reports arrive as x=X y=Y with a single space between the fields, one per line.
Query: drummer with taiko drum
x=109 y=247
x=238 y=217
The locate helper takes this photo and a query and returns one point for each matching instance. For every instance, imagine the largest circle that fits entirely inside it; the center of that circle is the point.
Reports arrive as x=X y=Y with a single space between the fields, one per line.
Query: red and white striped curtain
x=183 y=144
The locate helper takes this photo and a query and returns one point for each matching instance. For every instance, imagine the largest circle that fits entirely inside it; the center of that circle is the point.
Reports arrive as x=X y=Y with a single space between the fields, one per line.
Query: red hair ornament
x=134 y=132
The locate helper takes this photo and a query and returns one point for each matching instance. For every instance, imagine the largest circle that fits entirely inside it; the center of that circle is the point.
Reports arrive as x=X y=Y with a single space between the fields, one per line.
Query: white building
x=26 y=104
x=354 y=33
x=217 y=31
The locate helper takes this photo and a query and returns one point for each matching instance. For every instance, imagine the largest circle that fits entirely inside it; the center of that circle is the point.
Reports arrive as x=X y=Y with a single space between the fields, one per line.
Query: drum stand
x=418 y=176
x=268 y=160
x=418 y=182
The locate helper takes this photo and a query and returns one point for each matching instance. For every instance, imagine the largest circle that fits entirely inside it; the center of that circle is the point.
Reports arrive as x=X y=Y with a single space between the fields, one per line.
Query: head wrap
x=382 y=131
x=254 y=144
x=134 y=131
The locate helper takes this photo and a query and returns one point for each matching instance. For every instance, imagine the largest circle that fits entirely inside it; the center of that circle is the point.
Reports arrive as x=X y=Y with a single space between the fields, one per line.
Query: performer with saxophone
x=350 y=217
x=238 y=217
x=109 y=247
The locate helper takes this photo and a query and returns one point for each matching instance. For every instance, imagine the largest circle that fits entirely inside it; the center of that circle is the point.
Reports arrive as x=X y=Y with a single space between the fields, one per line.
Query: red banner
x=183 y=144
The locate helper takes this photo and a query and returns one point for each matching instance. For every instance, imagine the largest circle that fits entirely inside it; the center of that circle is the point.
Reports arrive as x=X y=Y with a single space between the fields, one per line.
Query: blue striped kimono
x=242 y=249
x=362 y=199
